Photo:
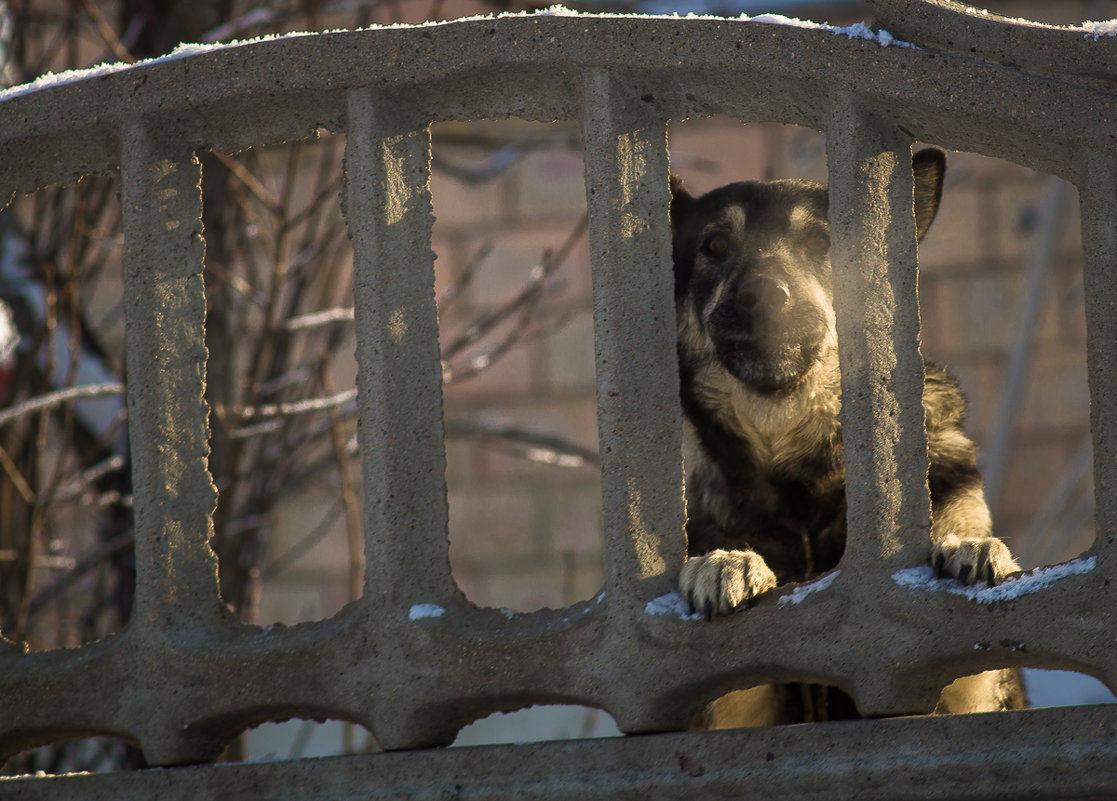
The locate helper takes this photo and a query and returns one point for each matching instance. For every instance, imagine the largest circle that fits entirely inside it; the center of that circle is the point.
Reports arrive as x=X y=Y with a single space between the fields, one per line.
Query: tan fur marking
x=964 y=511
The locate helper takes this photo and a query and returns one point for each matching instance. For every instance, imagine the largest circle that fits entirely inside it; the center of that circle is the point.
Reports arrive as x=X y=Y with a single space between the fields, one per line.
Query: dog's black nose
x=762 y=292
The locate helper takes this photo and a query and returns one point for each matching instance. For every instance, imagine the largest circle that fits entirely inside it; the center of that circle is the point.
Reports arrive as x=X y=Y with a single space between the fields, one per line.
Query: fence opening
x=101 y=754
x=297 y=739
x=1001 y=298
x=516 y=336
x=281 y=381
x=776 y=705
x=1064 y=688
x=538 y=723
x=66 y=565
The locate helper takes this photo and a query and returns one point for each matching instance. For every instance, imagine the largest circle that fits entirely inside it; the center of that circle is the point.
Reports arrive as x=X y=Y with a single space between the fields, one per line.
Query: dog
x=760 y=391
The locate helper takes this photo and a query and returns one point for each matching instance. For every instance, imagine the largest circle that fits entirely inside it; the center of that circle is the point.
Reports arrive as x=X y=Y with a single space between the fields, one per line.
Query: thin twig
x=249 y=181
x=105 y=30
x=78 y=486
x=527 y=296
x=58 y=397
x=465 y=277
x=13 y=472
x=296 y=551
x=534 y=446
x=300 y=375
x=342 y=314
x=289 y=409
x=61 y=586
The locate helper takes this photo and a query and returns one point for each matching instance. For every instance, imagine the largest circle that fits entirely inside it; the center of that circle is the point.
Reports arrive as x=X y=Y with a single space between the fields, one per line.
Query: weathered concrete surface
x=639 y=419
x=182 y=679
x=874 y=267
x=530 y=67
x=994 y=757
x=1013 y=43
x=1098 y=202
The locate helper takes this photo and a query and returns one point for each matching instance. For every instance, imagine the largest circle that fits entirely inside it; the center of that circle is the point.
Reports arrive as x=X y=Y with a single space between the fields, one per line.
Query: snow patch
x=181 y=51
x=557 y=10
x=859 y=30
x=780 y=19
x=423 y=611
x=671 y=605
x=1099 y=28
x=797 y=595
x=923 y=578
x=9 y=337
x=70 y=76
x=1094 y=28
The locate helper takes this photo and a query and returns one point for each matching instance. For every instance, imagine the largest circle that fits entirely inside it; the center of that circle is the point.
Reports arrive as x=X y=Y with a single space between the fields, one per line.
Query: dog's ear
x=681 y=200
x=928 y=167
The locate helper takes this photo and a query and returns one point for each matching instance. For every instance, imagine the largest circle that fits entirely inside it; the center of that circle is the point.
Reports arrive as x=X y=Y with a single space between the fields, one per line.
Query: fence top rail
x=948 y=84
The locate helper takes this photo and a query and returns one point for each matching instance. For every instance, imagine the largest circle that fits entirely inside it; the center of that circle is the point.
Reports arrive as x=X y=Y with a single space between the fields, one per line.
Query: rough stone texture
x=183 y=679
x=874 y=261
x=891 y=760
x=634 y=310
x=1099 y=243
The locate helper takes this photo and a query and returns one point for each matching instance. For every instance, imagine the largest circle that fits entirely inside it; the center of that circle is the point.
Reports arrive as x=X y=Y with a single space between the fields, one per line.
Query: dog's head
x=752 y=274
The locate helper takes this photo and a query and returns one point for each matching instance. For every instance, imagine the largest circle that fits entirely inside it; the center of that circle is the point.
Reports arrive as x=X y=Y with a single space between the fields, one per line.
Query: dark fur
x=760 y=390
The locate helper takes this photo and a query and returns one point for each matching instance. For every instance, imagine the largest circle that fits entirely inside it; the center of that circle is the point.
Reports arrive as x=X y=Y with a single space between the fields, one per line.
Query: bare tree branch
x=307 y=406
x=58 y=397
x=309 y=320
x=524 y=443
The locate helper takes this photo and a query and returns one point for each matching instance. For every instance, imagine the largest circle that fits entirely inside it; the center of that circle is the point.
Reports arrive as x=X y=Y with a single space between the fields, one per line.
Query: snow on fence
x=412 y=660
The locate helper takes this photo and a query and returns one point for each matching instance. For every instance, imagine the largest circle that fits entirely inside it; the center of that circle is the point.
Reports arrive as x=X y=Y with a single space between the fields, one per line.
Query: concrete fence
x=412 y=660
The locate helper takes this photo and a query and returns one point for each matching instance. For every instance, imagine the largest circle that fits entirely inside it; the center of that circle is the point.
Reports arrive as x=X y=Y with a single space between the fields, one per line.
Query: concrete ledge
x=1052 y=754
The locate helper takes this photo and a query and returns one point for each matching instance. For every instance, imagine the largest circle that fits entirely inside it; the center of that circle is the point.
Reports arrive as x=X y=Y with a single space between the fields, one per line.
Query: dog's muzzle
x=760 y=295
x=763 y=336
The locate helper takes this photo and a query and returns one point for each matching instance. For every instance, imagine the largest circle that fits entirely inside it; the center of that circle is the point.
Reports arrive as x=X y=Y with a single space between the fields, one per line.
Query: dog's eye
x=716 y=245
x=819 y=240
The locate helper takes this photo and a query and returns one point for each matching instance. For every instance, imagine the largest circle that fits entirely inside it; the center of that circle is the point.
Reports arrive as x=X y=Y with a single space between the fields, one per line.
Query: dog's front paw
x=972 y=559
x=720 y=581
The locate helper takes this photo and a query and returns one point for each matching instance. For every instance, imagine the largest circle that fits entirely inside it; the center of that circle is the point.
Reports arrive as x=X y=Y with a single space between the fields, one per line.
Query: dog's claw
x=972 y=560
x=985 y=569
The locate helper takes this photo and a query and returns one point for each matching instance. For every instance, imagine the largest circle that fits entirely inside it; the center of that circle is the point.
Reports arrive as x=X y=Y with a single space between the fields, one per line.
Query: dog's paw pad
x=972 y=559
x=720 y=581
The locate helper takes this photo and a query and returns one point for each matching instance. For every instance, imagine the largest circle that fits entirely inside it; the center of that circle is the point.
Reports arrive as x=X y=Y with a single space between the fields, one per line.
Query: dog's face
x=752 y=276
